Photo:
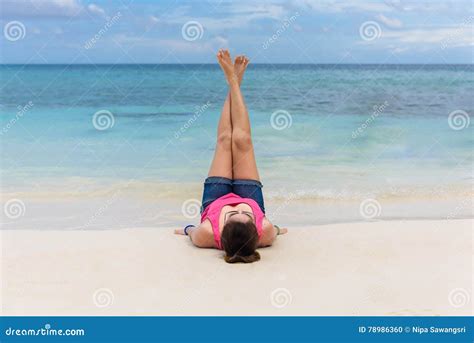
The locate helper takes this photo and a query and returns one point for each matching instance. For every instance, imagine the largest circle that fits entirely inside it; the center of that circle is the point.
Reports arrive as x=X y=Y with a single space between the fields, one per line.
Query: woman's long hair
x=239 y=241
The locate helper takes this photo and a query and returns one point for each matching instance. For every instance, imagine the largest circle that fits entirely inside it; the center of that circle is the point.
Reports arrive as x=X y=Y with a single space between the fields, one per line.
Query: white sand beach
x=383 y=268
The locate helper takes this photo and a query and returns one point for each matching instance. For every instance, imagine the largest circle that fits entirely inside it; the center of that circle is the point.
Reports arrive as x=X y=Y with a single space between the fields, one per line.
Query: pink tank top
x=213 y=211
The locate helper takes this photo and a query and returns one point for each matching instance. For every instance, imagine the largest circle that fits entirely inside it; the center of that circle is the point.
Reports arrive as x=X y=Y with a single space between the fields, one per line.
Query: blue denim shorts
x=216 y=186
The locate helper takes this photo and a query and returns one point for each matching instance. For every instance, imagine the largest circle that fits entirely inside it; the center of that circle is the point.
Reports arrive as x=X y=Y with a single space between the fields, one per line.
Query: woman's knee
x=242 y=140
x=225 y=139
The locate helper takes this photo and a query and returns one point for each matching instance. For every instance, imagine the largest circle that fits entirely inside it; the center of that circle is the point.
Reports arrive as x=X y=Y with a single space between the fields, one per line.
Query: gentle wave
x=157 y=191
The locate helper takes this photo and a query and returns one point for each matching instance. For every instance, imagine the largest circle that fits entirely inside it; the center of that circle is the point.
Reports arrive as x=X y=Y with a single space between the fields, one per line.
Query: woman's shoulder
x=203 y=236
x=266 y=224
x=206 y=225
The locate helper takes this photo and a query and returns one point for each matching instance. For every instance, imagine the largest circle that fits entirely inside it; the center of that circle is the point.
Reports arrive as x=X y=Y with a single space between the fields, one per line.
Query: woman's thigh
x=249 y=189
x=214 y=188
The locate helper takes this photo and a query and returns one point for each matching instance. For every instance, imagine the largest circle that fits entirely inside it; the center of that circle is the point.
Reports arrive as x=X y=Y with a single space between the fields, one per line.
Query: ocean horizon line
x=254 y=63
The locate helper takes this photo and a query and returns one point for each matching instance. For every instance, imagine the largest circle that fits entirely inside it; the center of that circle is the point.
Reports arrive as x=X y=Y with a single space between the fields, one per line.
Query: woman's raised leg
x=244 y=165
x=222 y=162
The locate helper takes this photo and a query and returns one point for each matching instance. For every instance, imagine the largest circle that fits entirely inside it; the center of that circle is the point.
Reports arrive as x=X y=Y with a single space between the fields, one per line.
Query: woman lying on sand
x=233 y=213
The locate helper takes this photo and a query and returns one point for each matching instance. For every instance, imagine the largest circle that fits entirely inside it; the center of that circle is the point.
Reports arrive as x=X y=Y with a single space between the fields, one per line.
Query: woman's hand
x=201 y=235
x=280 y=230
x=185 y=230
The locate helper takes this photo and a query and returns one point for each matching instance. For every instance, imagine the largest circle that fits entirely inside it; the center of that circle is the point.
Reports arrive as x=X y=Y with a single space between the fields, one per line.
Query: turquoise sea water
x=356 y=131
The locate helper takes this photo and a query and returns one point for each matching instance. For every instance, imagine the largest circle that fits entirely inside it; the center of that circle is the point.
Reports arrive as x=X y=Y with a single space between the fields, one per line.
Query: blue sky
x=295 y=31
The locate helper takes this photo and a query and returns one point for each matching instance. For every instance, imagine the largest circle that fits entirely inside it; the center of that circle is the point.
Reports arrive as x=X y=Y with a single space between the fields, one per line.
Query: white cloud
x=257 y=10
x=386 y=6
x=65 y=5
x=221 y=41
x=172 y=45
x=429 y=6
x=41 y=8
x=148 y=22
x=298 y=28
x=390 y=22
x=400 y=41
x=341 y=5
x=94 y=9
x=397 y=49
x=454 y=36
x=228 y=16
x=48 y=8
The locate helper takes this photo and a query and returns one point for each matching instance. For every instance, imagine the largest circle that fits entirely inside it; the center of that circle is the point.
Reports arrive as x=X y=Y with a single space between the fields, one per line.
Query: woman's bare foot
x=240 y=65
x=225 y=61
